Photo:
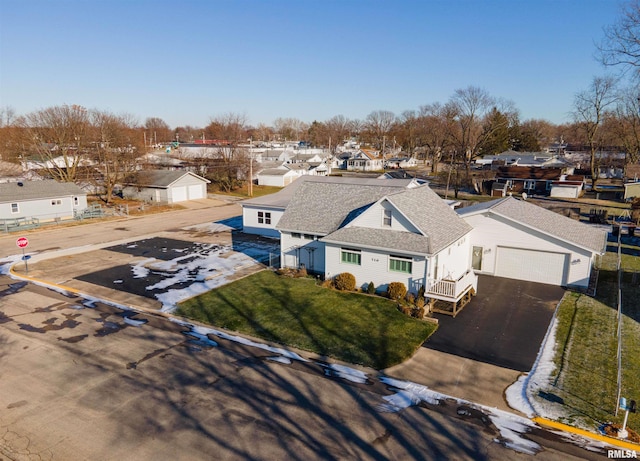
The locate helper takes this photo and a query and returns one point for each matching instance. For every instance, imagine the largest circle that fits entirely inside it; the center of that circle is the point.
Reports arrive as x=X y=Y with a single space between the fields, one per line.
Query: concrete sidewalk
x=458 y=377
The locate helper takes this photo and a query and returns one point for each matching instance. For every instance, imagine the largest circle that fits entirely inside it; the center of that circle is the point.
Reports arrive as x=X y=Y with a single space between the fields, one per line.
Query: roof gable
x=162 y=178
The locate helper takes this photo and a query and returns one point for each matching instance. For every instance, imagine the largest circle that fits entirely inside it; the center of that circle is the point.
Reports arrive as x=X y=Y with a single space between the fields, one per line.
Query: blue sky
x=188 y=61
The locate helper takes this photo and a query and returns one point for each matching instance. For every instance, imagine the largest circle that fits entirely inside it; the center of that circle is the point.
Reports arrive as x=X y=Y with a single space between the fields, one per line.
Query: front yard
x=585 y=379
x=356 y=328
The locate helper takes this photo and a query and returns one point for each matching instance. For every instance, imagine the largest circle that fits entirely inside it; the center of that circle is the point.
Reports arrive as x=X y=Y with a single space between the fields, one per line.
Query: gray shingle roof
x=546 y=221
x=30 y=190
x=429 y=213
x=406 y=242
x=322 y=207
x=161 y=178
x=282 y=198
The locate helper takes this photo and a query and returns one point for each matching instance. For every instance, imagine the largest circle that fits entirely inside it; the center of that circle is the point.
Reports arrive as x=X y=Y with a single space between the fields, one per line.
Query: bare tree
x=157 y=131
x=55 y=138
x=626 y=124
x=589 y=108
x=378 y=124
x=290 y=128
x=117 y=145
x=621 y=43
x=434 y=131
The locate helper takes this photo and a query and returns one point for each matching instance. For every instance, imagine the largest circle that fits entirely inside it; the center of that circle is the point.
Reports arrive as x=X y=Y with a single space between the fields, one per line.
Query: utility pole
x=251 y=167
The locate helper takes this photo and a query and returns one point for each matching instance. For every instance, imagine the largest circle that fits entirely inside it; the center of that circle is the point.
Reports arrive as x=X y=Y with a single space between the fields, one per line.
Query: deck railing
x=453 y=289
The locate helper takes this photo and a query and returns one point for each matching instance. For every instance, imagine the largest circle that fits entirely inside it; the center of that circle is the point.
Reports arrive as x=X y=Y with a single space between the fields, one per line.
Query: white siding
x=453 y=261
x=277 y=180
x=489 y=232
x=250 y=224
x=565 y=191
x=296 y=251
x=48 y=209
x=374 y=268
x=374 y=216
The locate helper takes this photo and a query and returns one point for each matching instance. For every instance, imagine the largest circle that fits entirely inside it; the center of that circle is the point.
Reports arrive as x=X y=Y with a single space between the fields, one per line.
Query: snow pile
x=344 y=372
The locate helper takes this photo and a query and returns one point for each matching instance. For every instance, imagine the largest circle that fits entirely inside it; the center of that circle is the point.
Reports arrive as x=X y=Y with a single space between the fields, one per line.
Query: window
x=549 y=184
x=264 y=217
x=529 y=184
x=386 y=218
x=350 y=256
x=509 y=182
x=296 y=235
x=76 y=201
x=400 y=264
x=56 y=202
x=14 y=208
x=308 y=237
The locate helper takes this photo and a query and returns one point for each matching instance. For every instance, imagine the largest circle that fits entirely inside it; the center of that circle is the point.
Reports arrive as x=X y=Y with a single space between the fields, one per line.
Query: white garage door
x=532 y=265
x=178 y=194
x=196 y=192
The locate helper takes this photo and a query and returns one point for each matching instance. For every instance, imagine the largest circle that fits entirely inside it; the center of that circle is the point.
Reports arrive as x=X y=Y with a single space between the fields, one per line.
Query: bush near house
x=345 y=282
x=371 y=288
x=396 y=290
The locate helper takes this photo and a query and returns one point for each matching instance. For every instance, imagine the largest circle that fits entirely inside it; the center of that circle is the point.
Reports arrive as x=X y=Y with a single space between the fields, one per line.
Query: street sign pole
x=24 y=258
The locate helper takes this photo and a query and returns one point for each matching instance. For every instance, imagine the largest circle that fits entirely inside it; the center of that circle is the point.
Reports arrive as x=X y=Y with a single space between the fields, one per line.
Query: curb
x=574 y=430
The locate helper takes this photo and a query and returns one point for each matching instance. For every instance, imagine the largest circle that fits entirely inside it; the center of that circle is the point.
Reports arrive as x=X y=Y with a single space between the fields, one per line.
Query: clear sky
x=188 y=61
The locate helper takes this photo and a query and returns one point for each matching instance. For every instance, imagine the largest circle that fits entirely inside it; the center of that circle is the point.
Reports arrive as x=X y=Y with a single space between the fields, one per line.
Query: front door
x=476 y=259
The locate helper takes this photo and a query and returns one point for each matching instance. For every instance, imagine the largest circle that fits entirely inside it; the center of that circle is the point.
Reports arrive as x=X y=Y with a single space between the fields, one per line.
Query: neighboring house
x=631 y=190
x=165 y=186
x=532 y=180
x=279 y=177
x=516 y=239
x=45 y=200
x=260 y=215
x=380 y=234
x=401 y=162
x=365 y=160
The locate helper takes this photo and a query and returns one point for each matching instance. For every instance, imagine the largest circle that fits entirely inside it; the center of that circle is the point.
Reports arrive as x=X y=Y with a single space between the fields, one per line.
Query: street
x=82 y=379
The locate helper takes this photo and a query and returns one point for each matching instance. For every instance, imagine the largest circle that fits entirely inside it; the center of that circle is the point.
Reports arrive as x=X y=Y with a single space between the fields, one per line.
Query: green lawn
x=586 y=341
x=355 y=328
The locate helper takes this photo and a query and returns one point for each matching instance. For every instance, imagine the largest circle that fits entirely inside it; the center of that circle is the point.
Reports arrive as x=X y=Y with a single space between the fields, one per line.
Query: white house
x=166 y=186
x=381 y=234
x=261 y=215
x=516 y=239
x=46 y=200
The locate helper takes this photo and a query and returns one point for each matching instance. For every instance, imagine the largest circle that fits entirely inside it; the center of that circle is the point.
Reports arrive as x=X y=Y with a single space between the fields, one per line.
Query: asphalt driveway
x=504 y=325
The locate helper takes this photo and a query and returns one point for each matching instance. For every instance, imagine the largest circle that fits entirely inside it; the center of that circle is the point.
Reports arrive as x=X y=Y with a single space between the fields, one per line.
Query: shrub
x=421 y=292
x=420 y=302
x=302 y=272
x=345 y=281
x=328 y=283
x=371 y=288
x=410 y=298
x=396 y=290
x=418 y=312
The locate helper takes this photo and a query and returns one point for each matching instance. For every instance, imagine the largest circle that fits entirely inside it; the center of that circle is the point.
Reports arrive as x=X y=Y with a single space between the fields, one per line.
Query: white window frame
x=529 y=184
x=15 y=208
x=264 y=217
x=56 y=202
x=346 y=254
x=387 y=218
x=402 y=260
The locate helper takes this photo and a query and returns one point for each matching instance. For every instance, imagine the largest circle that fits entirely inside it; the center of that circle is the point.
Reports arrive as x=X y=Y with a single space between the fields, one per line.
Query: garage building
x=166 y=186
x=516 y=239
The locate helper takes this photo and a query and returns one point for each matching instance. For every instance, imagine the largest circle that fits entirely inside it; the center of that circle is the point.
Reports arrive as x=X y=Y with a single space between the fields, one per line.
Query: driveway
x=504 y=325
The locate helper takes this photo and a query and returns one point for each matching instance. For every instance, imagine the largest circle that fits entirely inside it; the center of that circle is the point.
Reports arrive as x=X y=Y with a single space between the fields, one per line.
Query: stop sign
x=22 y=242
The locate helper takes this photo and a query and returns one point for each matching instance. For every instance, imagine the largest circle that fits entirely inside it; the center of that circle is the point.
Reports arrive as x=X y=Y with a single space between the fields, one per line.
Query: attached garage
x=520 y=240
x=532 y=265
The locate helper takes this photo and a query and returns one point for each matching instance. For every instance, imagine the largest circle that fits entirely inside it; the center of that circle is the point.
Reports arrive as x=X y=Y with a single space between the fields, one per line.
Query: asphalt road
x=82 y=382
